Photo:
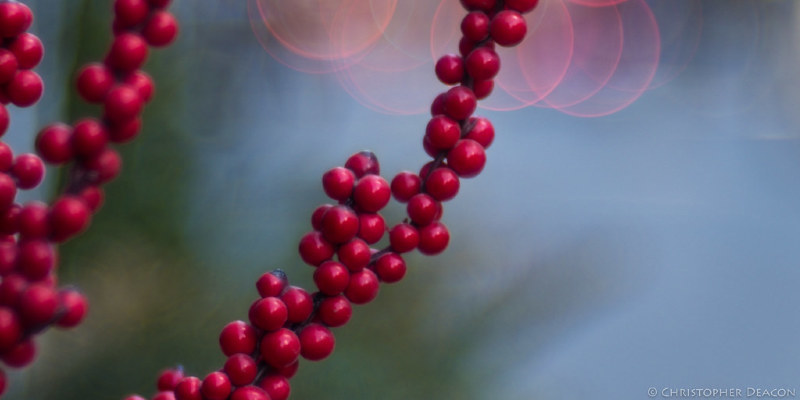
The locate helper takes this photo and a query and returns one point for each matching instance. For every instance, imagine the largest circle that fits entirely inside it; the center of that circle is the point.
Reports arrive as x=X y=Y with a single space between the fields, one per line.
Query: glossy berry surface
x=442 y=132
x=522 y=6
x=405 y=185
x=475 y=26
x=314 y=249
x=403 y=238
x=363 y=163
x=216 y=386
x=238 y=337
x=338 y=183
x=241 y=369
x=339 y=224
x=276 y=386
x=450 y=69
x=161 y=29
x=268 y=313
x=459 y=103
x=467 y=158
x=316 y=342
x=335 y=311
x=442 y=184
x=331 y=278
x=372 y=193
x=363 y=287
x=299 y=304
x=355 y=254
x=483 y=63
x=371 y=227
x=508 y=28
x=390 y=268
x=433 y=239
x=280 y=348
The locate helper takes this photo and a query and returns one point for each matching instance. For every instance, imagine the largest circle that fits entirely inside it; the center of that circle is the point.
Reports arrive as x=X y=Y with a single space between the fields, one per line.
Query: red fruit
x=268 y=313
x=354 y=254
x=437 y=106
x=299 y=304
x=363 y=287
x=467 y=158
x=522 y=6
x=339 y=224
x=164 y=396
x=93 y=197
x=10 y=328
x=335 y=311
x=483 y=63
x=36 y=258
x=159 y=3
x=161 y=29
x=54 y=143
x=459 y=103
x=485 y=5
x=89 y=137
x=105 y=165
x=168 y=379
x=316 y=342
x=405 y=185
x=482 y=89
x=125 y=131
x=276 y=386
x=15 y=18
x=314 y=249
x=371 y=193
x=93 y=82
x=475 y=26
x=442 y=132
x=480 y=130
x=68 y=217
x=10 y=289
x=403 y=238
x=131 y=12
x=280 y=348
x=249 y=393
x=6 y=157
x=37 y=304
x=363 y=163
x=29 y=170
x=338 y=183
x=433 y=239
x=5 y=120
x=288 y=371
x=237 y=337
x=331 y=278
x=442 y=184
x=8 y=191
x=74 y=307
x=390 y=267
x=216 y=386
x=316 y=216
x=8 y=65
x=271 y=284
x=508 y=28
x=128 y=52
x=22 y=353
x=33 y=221
x=25 y=88
x=450 y=69
x=189 y=389
x=371 y=227
x=422 y=209
x=28 y=50
x=8 y=257
x=241 y=369
x=142 y=83
x=122 y=104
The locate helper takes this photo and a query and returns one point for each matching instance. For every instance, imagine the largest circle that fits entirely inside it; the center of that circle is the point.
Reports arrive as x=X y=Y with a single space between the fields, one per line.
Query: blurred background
x=636 y=225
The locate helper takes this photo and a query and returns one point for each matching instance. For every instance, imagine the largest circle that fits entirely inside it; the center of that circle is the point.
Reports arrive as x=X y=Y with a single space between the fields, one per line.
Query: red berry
x=125 y=131
x=128 y=52
x=437 y=106
x=316 y=216
x=483 y=63
x=299 y=304
x=522 y=6
x=28 y=49
x=74 y=307
x=93 y=82
x=37 y=304
x=422 y=209
x=338 y=183
x=363 y=287
x=5 y=120
x=442 y=132
x=134 y=397
x=25 y=88
x=8 y=191
x=216 y=386
x=10 y=328
x=241 y=369
x=89 y=137
x=168 y=379
x=268 y=313
x=363 y=163
x=142 y=83
x=280 y=348
x=433 y=239
x=289 y=371
x=161 y=29
x=104 y=165
x=405 y=185
x=335 y=311
x=483 y=89
x=475 y=26
x=68 y=217
x=371 y=227
x=316 y=342
x=11 y=288
x=131 y=12
x=331 y=278
x=371 y=193
x=314 y=249
x=122 y=104
x=276 y=386
x=166 y=395
x=442 y=184
x=93 y=197
x=29 y=170
x=508 y=28
x=22 y=353
x=271 y=284
x=354 y=254
x=459 y=103
x=339 y=224
x=467 y=158
x=480 y=130
x=485 y=5
x=15 y=18
x=390 y=267
x=33 y=220
x=237 y=337
x=8 y=65
x=249 y=393
x=53 y=143
x=450 y=69
x=159 y=3
x=8 y=257
x=189 y=389
x=36 y=258
x=403 y=238
x=6 y=157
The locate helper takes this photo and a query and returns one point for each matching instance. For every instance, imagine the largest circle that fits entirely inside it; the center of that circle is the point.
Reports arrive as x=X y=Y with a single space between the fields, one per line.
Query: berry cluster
x=287 y=322
x=30 y=300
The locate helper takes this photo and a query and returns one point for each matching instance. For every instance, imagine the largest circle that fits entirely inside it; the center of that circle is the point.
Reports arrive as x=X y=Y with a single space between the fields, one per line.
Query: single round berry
x=339 y=224
x=93 y=196
x=331 y=278
x=422 y=209
x=280 y=348
x=122 y=104
x=485 y=5
x=128 y=52
x=54 y=143
x=371 y=227
x=25 y=88
x=131 y=12
x=249 y=393
x=338 y=183
x=74 y=308
x=363 y=287
x=433 y=239
x=10 y=328
x=216 y=386
x=316 y=216
x=371 y=193
x=271 y=284
x=268 y=313
x=15 y=18
x=475 y=26
x=522 y=6
x=126 y=130
x=508 y=28
x=21 y=354
x=28 y=49
x=69 y=216
x=11 y=288
x=8 y=257
x=442 y=132
x=316 y=342
x=36 y=259
x=105 y=165
x=482 y=89
x=8 y=191
x=93 y=82
x=89 y=137
x=241 y=369
x=33 y=220
x=8 y=65
x=299 y=304
x=29 y=170
x=405 y=185
x=403 y=238
x=161 y=29
x=390 y=267
x=460 y=103
x=276 y=386
x=37 y=304
x=363 y=163
x=335 y=311
x=314 y=249
x=483 y=63
x=450 y=69
x=238 y=337
x=355 y=254
x=480 y=130
x=467 y=158
x=189 y=389
x=142 y=83
x=169 y=378
x=442 y=184
x=437 y=106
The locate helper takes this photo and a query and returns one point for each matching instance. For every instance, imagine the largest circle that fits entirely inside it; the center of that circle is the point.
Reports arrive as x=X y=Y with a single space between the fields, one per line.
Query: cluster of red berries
x=30 y=300
x=287 y=322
